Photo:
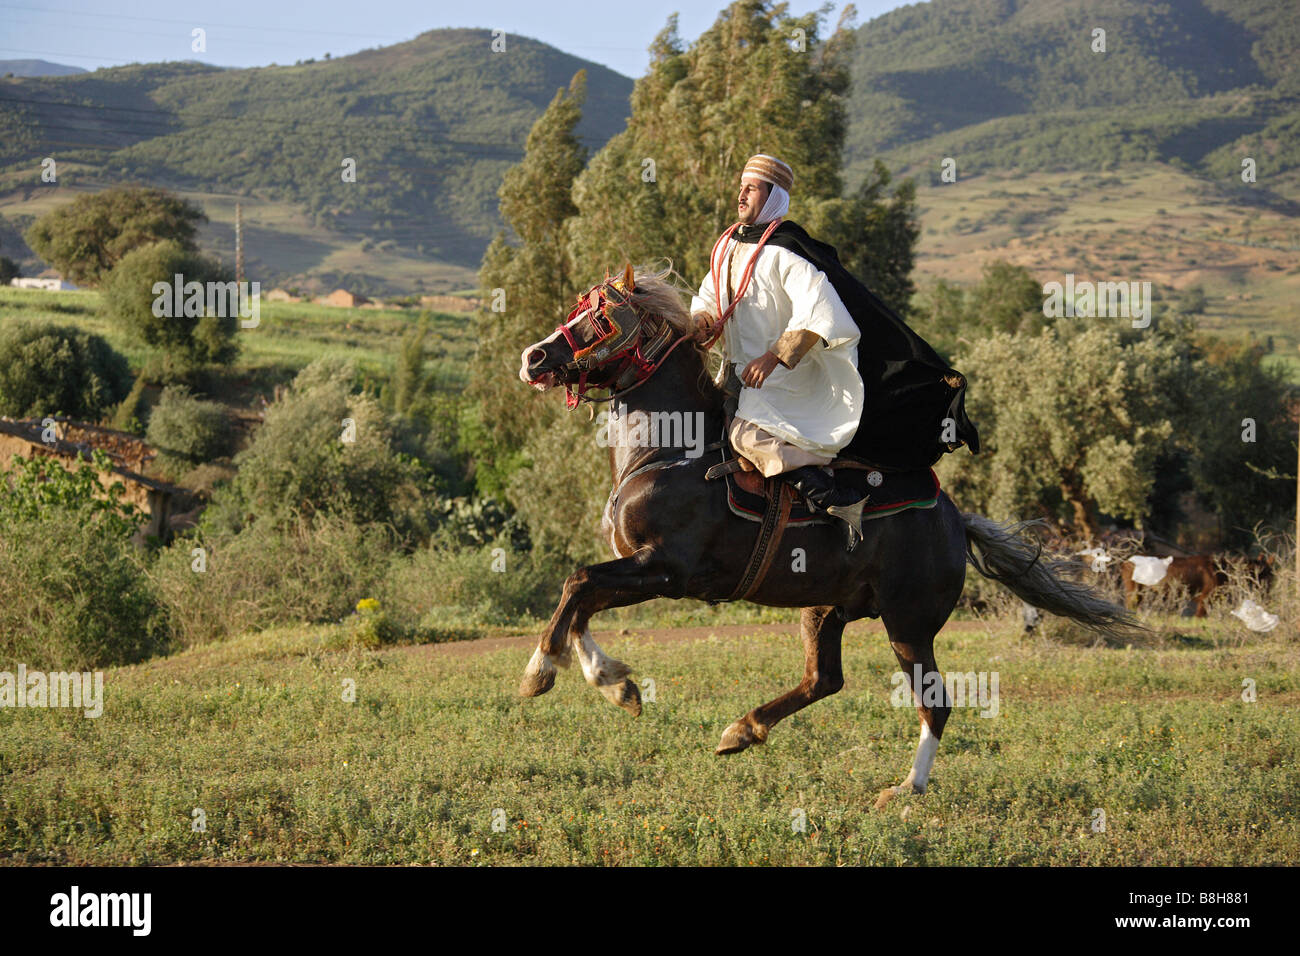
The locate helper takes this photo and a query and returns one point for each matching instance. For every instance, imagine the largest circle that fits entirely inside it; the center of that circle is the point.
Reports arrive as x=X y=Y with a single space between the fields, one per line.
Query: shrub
x=186 y=427
x=125 y=416
x=313 y=570
x=74 y=592
x=129 y=298
x=445 y=585
x=48 y=369
x=299 y=464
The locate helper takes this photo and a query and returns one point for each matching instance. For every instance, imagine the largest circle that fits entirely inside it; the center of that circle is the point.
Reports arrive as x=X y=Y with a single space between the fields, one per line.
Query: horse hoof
x=738 y=737
x=889 y=793
x=625 y=694
x=536 y=683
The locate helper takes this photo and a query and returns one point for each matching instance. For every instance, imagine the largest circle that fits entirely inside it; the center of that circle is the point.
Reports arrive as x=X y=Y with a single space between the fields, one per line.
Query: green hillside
x=1001 y=83
x=1122 y=164
x=432 y=124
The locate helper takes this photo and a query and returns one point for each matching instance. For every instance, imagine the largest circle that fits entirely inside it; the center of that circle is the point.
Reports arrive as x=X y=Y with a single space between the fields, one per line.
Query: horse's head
x=613 y=338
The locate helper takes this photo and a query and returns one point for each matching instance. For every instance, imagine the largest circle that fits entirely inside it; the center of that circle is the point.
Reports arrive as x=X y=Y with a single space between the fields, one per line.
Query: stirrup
x=851 y=515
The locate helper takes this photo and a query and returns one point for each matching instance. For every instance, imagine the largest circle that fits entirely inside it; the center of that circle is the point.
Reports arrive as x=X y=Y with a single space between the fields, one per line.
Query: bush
x=125 y=416
x=314 y=570
x=189 y=428
x=51 y=369
x=129 y=299
x=74 y=592
x=443 y=585
x=299 y=464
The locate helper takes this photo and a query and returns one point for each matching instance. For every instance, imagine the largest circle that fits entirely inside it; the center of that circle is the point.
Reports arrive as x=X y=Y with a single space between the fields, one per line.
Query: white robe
x=817 y=404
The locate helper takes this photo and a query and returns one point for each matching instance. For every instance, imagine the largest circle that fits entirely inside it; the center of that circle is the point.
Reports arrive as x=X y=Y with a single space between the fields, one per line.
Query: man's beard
x=749 y=215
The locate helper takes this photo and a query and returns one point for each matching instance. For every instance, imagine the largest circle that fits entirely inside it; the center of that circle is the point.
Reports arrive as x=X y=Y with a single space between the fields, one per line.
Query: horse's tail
x=1003 y=554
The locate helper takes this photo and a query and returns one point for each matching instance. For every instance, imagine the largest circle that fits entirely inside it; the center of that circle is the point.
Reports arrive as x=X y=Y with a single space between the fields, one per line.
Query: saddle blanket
x=887 y=493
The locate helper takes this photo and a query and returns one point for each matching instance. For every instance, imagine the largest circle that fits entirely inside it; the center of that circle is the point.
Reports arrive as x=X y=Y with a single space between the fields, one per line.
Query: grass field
x=289 y=336
x=283 y=245
x=436 y=746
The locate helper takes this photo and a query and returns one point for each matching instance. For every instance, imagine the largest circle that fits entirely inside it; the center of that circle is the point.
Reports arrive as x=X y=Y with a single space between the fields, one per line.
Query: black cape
x=909 y=390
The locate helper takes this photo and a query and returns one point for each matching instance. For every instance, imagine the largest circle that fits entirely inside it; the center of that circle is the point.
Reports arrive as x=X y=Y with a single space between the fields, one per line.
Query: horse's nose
x=529 y=358
x=534 y=356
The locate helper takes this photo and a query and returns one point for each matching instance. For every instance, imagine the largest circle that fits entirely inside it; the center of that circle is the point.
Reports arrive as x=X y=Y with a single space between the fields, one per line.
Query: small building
x=450 y=303
x=72 y=442
x=343 y=298
x=55 y=284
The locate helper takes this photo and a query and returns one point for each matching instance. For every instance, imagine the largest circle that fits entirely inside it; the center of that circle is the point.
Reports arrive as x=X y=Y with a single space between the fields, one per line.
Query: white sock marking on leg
x=597 y=666
x=924 y=760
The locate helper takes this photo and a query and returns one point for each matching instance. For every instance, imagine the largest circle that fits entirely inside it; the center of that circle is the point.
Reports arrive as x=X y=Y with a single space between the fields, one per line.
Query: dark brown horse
x=673 y=535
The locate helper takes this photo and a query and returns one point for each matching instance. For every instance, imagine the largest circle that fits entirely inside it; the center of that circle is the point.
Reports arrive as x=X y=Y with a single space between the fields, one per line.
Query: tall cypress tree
x=757 y=81
x=531 y=276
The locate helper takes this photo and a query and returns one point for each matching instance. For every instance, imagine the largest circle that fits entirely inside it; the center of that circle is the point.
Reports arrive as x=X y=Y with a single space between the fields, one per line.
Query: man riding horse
x=792 y=323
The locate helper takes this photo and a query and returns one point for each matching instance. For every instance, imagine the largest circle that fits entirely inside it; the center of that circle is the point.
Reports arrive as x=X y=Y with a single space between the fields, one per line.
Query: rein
x=639 y=358
x=615 y=342
x=715 y=269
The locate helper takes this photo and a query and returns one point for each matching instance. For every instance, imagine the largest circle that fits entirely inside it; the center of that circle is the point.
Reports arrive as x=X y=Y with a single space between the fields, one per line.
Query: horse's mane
x=662 y=292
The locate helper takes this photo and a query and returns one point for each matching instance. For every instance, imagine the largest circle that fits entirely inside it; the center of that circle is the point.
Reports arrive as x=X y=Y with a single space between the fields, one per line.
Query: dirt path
x=665 y=635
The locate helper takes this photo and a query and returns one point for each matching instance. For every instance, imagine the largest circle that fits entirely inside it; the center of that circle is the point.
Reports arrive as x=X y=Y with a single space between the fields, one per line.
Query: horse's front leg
x=822 y=629
x=630 y=580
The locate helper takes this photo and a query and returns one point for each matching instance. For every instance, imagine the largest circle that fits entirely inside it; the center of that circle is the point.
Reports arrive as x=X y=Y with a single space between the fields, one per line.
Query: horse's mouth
x=543 y=382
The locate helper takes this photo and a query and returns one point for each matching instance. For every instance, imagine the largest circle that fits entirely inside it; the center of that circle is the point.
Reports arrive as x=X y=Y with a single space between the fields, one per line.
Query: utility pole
x=239 y=243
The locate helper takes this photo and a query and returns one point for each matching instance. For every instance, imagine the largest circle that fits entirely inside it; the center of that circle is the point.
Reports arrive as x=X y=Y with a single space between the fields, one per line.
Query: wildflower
x=366 y=605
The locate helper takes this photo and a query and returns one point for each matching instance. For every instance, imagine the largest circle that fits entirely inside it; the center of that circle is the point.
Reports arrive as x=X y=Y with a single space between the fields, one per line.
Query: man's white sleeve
x=706 y=301
x=816 y=304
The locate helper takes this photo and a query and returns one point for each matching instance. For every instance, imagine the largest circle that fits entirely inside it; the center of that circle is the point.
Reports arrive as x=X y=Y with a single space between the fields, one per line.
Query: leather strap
x=779 y=500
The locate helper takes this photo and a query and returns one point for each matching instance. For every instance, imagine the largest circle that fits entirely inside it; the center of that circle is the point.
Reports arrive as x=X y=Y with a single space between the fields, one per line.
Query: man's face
x=753 y=194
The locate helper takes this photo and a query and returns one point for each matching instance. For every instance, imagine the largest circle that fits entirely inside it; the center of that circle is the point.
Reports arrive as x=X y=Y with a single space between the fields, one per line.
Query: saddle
x=774 y=504
x=888 y=491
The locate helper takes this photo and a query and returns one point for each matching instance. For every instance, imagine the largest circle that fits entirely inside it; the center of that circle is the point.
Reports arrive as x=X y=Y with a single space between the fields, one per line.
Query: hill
x=1122 y=164
x=432 y=125
x=1002 y=83
x=37 y=68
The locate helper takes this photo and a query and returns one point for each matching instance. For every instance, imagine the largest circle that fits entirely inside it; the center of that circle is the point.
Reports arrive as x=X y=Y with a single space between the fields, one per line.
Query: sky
x=94 y=33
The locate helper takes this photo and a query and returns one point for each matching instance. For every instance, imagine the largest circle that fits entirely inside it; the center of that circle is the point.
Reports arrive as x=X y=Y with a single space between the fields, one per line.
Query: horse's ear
x=629 y=281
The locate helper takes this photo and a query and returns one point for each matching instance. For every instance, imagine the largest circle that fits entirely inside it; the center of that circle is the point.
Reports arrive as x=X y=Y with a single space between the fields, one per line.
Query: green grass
x=255 y=732
x=289 y=337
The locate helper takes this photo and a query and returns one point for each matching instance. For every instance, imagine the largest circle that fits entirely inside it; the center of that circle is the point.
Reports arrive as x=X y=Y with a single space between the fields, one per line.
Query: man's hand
x=703 y=327
x=757 y=371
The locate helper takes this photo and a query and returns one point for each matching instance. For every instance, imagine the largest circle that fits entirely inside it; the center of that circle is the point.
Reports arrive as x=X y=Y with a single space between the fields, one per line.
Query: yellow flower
x=367 y=604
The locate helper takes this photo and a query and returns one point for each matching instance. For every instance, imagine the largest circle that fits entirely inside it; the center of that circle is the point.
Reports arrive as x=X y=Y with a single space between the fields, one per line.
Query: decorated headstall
x=615 y=330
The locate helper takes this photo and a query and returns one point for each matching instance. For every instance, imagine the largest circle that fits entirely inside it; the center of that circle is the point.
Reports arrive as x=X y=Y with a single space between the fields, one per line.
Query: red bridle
x=638 y=357
x=618 y=333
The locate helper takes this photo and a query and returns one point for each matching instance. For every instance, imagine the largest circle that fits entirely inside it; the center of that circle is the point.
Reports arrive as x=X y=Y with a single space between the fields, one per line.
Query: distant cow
x=1197 y=572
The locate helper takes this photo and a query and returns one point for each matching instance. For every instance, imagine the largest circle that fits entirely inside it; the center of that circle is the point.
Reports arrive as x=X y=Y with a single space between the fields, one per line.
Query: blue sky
x=95 y=33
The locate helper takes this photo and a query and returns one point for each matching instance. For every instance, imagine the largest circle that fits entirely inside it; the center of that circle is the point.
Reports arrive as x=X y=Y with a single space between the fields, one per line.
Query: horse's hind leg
x=822 y=629
x=932 y=704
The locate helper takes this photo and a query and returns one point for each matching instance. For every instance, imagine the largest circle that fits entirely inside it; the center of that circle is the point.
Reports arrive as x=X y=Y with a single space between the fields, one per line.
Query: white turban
x=777 y=205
